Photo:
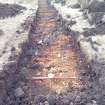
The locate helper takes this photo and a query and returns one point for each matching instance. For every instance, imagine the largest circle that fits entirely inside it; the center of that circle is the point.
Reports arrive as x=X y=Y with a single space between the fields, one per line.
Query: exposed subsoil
x=51 y=70
x=10 y=10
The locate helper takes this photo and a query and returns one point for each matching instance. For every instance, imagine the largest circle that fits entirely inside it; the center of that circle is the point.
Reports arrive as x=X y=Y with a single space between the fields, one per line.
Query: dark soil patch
x=10 y=10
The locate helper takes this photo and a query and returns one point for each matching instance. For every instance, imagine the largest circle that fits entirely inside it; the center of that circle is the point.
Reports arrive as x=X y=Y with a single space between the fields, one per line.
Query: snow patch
x=13 y=33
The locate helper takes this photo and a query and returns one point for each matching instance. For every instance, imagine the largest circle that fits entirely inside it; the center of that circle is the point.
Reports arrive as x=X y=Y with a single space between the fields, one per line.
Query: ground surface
x=88 y=30
x=15 y=21
x=87 y=24
x=50 y=69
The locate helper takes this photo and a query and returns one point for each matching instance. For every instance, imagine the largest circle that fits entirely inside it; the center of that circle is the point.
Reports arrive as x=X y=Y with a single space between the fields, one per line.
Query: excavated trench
x=48 y=72
x=56 y=63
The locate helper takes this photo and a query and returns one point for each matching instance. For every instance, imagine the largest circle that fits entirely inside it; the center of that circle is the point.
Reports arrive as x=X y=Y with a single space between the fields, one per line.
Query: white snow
x=10 y=38
x=75 y=14
x=28 y=3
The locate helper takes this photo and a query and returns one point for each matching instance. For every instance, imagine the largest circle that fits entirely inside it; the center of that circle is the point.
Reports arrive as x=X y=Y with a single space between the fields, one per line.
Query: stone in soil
x=1 y=32
x=19 y=92
x=40 y=99
x=51 y=99
x=46 y=103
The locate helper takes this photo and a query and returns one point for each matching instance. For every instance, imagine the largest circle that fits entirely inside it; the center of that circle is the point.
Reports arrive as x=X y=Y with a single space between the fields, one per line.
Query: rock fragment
x=19 y=92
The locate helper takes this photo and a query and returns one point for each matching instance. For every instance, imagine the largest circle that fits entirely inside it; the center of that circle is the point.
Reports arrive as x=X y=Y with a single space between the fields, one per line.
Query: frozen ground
x=14 y=30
